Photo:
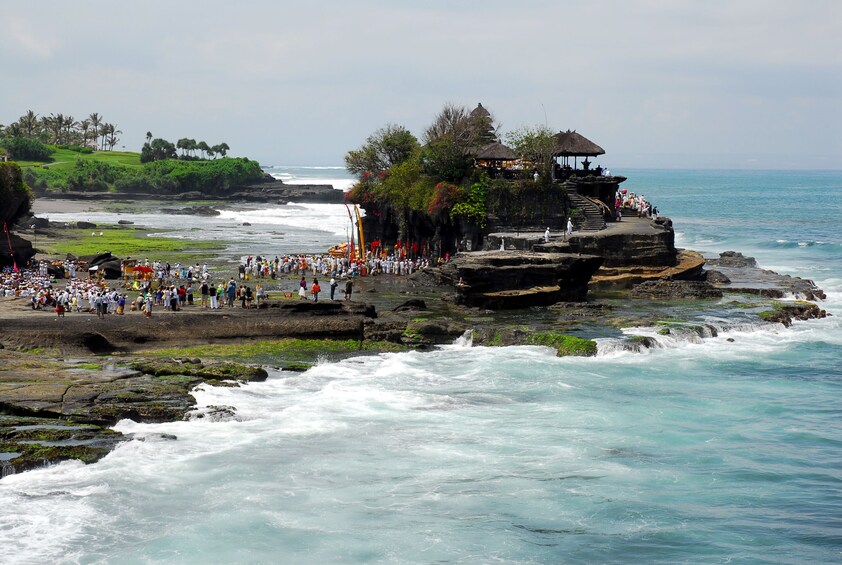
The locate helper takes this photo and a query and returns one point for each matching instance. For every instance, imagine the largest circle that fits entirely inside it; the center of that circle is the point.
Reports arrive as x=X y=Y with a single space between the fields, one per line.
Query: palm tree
x=29 y=122
x=67 y=127
x=55 y=124
x=84 y=128
x=113 y=139
x=105 y=130
x=108 y=133
x=96 y=121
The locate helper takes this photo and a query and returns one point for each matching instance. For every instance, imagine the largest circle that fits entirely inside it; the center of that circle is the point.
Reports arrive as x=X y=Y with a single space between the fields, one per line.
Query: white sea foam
x=477 y=454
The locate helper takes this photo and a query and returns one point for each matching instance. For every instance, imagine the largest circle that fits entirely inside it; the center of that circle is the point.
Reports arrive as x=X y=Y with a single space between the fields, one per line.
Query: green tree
x=446 y=160
x=184 y=145
x=192 y=146
x=449 y=139
x=203 y=147
x=386 y=147
x=23 y=148
x=535 y=146
x=157 y=150
x=222 y=149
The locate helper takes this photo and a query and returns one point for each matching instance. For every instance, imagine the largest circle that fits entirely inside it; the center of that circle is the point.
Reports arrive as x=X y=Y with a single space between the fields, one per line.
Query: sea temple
x=528 y=227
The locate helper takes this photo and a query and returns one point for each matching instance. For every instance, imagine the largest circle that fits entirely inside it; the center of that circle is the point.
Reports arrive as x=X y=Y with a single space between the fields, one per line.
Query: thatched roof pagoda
x=480 y=112
x=495 y=158
x=494 y=152
x=573 y=144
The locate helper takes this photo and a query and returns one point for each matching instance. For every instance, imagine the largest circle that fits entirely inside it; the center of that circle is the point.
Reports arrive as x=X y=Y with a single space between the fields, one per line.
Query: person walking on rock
x=316 y=289
x=302 y=289
x=333 y=285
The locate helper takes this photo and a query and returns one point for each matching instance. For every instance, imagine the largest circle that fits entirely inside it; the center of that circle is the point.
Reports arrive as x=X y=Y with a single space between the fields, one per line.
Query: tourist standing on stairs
x=569 y=229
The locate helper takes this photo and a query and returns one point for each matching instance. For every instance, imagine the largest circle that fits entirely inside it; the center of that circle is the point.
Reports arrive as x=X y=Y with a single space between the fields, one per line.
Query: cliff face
x=22 y=249
x=514 y=279
x=15 y=201
x=652 y=247
x=15 y=197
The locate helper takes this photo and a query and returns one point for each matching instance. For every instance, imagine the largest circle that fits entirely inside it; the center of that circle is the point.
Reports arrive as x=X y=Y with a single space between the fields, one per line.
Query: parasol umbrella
x=143 y=269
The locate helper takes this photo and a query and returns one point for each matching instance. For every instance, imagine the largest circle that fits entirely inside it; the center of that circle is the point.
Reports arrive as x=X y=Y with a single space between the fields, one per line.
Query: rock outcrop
x=671 y=290
x=65 y=413
x=22 y=251
x=192 y=211
x=133 y=332
x=734 y=272
x=652 y=247
x=515 y=279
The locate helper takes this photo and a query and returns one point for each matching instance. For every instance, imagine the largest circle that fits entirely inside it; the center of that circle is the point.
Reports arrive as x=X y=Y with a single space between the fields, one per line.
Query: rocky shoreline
x=269 y=190
x=65 y=381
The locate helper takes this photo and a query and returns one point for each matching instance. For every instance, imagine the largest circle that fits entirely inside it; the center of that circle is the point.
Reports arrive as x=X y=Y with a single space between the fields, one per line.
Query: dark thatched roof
x=494 y=152
x=480 y=112
x=573 y=144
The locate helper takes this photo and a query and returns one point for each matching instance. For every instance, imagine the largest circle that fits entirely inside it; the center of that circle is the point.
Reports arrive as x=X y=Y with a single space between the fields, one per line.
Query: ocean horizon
x=723 y=448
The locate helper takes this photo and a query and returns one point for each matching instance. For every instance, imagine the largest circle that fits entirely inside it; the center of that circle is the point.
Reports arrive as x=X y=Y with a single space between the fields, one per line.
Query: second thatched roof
x=573 y=144
x=494 y=152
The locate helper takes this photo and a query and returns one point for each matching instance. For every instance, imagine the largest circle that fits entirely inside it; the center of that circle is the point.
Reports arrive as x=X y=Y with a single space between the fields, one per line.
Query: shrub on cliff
x=209 y=177
x=15 y=196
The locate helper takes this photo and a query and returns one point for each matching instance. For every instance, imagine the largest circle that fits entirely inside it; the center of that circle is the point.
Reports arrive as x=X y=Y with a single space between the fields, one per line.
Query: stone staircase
x=591 y=218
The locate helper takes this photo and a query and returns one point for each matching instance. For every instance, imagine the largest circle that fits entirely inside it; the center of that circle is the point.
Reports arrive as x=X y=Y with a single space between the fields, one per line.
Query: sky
x=656 y=83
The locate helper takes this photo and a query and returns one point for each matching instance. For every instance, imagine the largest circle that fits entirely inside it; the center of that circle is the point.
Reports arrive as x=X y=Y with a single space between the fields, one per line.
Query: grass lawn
x=63 y=159
x=126 y=242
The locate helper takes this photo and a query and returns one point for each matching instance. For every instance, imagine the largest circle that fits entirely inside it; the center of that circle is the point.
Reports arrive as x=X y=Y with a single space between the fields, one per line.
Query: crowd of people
x=37 y=287
x=327 y=265
x=171 y=287
x=635 y=202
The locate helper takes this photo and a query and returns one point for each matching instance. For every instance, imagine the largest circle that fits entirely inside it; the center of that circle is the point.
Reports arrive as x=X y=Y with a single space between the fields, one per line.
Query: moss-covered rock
x=785 y=312
x=199 y=370
x=565 y=345
x=30 y=442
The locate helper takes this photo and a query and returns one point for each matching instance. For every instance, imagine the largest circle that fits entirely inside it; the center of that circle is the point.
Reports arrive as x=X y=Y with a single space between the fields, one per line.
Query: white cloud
x=21 y=38
x=301 y=82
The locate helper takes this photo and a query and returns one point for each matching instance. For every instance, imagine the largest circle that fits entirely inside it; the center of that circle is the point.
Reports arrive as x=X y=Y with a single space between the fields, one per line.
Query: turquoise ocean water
x=710 y=451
